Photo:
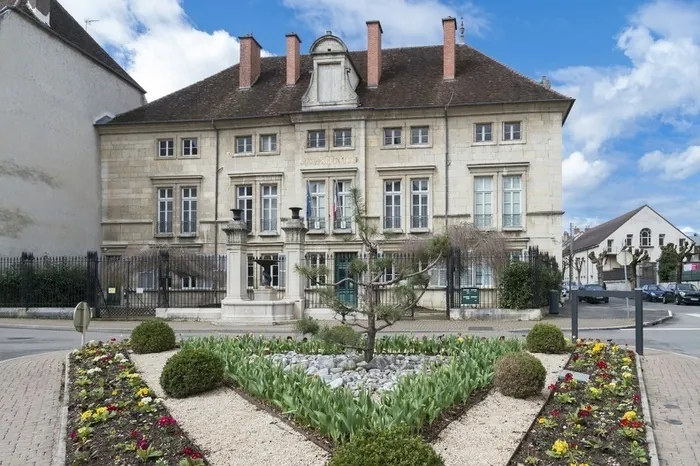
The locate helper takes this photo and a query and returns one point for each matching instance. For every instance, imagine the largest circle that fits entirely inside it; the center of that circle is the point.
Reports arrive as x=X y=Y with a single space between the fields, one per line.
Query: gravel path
x=232 y=430
x=489 y=433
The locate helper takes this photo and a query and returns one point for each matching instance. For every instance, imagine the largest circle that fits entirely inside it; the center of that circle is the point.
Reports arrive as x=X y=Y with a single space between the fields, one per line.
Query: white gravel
x=489 y=433
x=230 y=429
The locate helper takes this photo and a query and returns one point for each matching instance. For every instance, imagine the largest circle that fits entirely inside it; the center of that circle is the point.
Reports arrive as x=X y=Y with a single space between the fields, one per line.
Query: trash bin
x=553 y=302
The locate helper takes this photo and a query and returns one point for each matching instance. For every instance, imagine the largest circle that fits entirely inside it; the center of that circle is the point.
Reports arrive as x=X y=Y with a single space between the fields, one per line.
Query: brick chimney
x=374 y=53
x=293 y=59
x=249 y=68
x=41 y=9
x=449 y=26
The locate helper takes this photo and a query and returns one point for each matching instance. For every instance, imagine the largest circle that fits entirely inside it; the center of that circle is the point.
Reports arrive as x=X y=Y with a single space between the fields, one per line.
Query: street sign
x=624 y=257
x=470 y=296
x=81 y=318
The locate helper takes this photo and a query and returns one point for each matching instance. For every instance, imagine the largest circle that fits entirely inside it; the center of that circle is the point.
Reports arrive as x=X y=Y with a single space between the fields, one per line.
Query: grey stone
x=336 y=383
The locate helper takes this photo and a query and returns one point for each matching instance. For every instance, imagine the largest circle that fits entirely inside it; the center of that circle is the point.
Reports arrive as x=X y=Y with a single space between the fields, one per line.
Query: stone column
x=236 y=259
x=294 y=237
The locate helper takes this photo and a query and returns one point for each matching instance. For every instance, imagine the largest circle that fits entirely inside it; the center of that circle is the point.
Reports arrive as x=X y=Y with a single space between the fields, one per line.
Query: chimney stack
x=374 y=53
x=293 y=59
x=249 y=67
x=43 y=8
x=449 y=26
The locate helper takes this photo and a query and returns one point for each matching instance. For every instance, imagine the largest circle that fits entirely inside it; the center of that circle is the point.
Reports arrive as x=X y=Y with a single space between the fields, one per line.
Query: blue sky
x=633 y=66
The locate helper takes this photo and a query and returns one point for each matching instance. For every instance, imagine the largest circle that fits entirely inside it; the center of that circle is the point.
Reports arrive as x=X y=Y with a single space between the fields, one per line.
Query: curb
x=651 y=441
x=59 y=457
x=613 y=327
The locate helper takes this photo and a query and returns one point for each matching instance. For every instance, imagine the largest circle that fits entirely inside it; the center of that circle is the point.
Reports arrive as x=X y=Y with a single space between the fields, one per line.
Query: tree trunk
x=371 y=336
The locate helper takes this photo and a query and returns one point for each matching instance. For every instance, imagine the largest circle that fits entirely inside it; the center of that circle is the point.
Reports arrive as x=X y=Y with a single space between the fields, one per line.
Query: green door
x=347 y=293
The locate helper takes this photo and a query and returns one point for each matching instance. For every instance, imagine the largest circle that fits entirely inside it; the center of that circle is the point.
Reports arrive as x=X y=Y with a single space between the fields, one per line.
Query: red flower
x=142 y=444
x=551 y=386
x=73 y=435
x=583 y=413
x=624 y=423
x=576 y=357
x=602 y=364
x=631 y=355
x=122 y=367
x=192 y=453
x=589 y=408
x=636 y=424
x=135 y=434
x=555 y=413
x=112 y=339
x=637 y=398
x=166 y=421
x=568 y=377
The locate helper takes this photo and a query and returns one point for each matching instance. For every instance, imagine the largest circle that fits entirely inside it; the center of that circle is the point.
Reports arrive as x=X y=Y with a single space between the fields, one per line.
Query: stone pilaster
x=236 y=259
x=294 y=239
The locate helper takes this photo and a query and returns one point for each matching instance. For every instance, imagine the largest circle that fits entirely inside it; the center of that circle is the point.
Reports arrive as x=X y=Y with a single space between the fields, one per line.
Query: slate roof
x=593 y=237
x=411 y=77
x=68 y=29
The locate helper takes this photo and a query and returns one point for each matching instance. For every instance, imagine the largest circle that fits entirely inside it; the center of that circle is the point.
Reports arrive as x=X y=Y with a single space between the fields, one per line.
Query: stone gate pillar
x=236 y=259
x=294 y=238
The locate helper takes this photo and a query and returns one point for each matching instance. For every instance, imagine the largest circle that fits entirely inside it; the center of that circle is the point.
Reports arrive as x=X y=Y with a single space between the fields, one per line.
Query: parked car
x=659 y=293
x=684 y=293
x=592 y=299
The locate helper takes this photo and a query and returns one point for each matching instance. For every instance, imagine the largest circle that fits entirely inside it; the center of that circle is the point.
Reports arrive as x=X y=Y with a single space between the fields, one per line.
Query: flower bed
x=417 y=400
x=115 y=419
x=594 y=422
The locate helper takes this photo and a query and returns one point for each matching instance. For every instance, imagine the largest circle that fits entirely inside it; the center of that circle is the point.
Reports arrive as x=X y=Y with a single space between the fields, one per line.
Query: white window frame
x=189 y=282
x=316 y=259
x=190 y=147
x=393 y=136
x=317 y=193
x=420 y=198
x=343 y=204
x=166 y=145
x=629 y=240
x=512 y=130
x=481 y=134
x=316 y=139
x=662 y=239
x=165 y=210
x=610 y=246
x=268 y=143
x=243 y=144
x=645 y=238
x=438 y=275
x=393 y=221
x=269 y=207
x=344 y=136
x=420 y=135
x=483 y=202
x=146 y=280
x=190 y=204
x=278 y=271
x=512 y=201
x=245 y=201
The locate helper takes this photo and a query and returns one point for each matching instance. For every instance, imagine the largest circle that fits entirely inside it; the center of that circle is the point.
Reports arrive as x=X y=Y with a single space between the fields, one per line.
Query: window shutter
x=282 y=271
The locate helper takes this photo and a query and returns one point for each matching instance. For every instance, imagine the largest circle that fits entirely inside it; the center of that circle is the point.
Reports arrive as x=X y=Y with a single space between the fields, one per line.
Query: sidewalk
x=403 y=326
x=30 y=389
x=672 y=383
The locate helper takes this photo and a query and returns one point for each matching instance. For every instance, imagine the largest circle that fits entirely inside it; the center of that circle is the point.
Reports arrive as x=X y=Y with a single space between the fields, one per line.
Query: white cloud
x=155 y=40
x=405 y=22
x=581 y=174
x=674 y=166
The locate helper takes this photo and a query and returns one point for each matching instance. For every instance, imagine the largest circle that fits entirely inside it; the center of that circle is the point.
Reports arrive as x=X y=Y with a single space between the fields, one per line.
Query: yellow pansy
x=143 y=392
x=560 y=447
x=630 y=416
x=86 y=415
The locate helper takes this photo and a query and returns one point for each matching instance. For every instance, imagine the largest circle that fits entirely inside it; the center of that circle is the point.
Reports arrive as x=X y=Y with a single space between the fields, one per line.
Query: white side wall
x=51 y=95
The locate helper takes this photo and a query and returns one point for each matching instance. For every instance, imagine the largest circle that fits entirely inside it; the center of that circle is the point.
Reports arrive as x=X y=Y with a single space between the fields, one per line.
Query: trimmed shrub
x=152 y=336
x=307 y=326
x=545 y=338
x=342 y=335
x=191 y=371
x=515 y=286
x=396 y=447
x=519 y=375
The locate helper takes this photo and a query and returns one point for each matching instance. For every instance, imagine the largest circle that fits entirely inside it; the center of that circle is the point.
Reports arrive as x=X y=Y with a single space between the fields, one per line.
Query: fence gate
x=123 y=289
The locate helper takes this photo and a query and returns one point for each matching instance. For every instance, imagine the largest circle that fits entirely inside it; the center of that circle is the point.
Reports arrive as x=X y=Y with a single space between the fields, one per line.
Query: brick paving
x=672 y=383
x=30 y=401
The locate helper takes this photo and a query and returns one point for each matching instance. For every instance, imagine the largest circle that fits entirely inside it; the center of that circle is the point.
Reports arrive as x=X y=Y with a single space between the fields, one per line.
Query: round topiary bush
x=342 y=335
x=396 y=447
x=545 y=338
x=519 y=375
x=152 y=336
x=191 y=371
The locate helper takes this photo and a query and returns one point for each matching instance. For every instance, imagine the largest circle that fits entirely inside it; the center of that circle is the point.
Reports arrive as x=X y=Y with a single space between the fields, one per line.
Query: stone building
x=432 y=136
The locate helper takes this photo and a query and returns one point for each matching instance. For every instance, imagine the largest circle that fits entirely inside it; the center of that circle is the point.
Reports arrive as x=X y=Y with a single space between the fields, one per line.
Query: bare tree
x=685 y=254
x=639 y=256
x=599 y=262
x=405 y=275
x=578 y=267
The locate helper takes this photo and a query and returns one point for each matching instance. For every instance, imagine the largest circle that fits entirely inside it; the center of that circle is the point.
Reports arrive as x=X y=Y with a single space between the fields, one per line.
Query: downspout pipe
x=449 y=288
x=216 y=195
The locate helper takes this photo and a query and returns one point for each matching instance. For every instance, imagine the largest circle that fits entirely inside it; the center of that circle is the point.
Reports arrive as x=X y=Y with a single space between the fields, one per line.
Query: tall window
x=342 y=137
x=482 y=276
x=316 y=139
x=244 y=201
x=342 y=213
x=662 y=240
x=483 y=132
x=190 y=147
x=278 y=271
x=483 y=193
x=244 y=144
x=251 y=271
x=511 y=131
x=390 y=272
x=512 y=208
x=189 y=211
x=628 y=240
x=419 y=135
x=269 y=207
x=392 y=136
x=645 y=238
x=165 y=211
x=318 y=262
x=166 y=148
x=268 y=143
x=610 y=245
x=392 y=205
x=419 y=203
x=317 y=193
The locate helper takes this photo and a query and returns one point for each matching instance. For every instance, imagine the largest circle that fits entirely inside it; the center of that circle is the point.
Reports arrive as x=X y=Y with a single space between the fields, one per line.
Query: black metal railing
x=317 y=223
x=342 y=223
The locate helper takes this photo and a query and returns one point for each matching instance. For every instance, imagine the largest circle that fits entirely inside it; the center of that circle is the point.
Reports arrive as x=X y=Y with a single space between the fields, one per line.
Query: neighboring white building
x=641 y=228
x=56 y=82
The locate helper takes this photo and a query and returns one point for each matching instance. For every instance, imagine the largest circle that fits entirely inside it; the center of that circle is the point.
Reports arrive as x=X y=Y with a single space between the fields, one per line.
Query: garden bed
x=114 y=418
x=593 y=422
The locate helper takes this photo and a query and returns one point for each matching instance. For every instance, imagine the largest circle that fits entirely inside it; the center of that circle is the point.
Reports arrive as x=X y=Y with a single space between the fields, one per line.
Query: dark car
x=653 y=293
x=684 y=293
x=592 y=299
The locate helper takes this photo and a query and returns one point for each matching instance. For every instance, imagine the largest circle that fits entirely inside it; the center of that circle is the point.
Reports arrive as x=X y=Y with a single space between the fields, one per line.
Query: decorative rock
x=336 y=383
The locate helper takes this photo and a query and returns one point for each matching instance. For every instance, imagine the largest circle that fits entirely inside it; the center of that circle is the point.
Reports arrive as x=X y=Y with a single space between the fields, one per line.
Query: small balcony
x=612 y=250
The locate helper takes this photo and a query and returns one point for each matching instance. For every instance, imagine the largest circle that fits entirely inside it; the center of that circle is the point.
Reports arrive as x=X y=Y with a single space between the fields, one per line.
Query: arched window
x=645 y=238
